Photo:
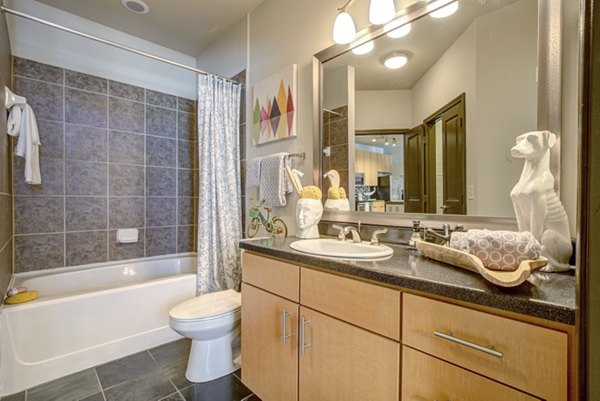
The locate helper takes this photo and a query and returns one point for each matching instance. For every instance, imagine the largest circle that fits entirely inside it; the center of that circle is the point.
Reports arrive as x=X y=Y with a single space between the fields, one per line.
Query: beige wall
x=385 y=109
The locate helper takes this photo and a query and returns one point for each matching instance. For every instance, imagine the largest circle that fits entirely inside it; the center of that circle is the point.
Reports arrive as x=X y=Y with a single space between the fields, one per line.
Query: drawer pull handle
x=450 y=337
x=303 y=346
x=284 y=315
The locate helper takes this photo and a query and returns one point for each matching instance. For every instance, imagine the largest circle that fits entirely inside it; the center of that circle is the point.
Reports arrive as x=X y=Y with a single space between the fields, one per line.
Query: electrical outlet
x=470 y=192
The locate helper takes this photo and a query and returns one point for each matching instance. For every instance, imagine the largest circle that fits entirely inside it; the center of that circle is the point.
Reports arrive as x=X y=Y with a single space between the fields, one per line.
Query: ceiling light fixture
x=394 y=142
x=364 y=48
x=344 y=30
x=387 y=142
x=395 y=60
x=374 y=139
x=398 y=28
x=381 y=11
x=136 y=6
x=443 y=12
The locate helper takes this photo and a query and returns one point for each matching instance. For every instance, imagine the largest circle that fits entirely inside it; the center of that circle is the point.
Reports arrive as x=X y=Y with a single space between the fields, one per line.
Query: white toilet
x=212 y=321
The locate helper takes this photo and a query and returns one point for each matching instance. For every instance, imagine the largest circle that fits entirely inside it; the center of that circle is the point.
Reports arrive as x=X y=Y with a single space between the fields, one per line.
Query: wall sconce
x=381 y=11
x=443 y=12
x=344 y=30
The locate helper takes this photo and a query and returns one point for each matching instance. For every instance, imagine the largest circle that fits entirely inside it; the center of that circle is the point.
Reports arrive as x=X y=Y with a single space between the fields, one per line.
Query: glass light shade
x=396 y=61
x=364 y=48
x=344 y=30
x=394 y=31
x=381 y=11
x=443 y=12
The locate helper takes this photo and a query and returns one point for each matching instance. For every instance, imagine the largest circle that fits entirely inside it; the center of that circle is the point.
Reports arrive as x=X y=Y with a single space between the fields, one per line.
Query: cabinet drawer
x=370 y=306
x=525 y=356
x=272 y=275
x=427 y=378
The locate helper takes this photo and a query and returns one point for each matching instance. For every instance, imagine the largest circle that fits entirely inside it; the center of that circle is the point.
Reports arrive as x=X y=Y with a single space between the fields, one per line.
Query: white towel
x=274 y=183
x=253 y=172
x=22 y=124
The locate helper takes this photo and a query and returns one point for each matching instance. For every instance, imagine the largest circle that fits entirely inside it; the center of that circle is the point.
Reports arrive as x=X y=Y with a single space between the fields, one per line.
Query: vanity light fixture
x=364 y=48
x=381 y=11
x=397 y=29
x=344 y=30
x=395 y=60
x=443 y=12
x=136 y=6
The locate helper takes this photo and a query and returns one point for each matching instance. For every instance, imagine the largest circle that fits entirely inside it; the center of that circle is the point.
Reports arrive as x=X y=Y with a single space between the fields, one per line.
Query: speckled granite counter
x=545 y=296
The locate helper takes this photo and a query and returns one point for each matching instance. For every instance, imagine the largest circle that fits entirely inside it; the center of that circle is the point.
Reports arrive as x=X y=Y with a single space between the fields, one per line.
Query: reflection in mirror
x=467 y=89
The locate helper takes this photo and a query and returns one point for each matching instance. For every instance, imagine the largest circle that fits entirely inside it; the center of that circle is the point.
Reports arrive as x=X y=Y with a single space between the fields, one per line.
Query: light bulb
x=394 y=143
x=344 y=30
x=395 y=61
x=364 y=48
x=394 y=31
x=381 y=11
x=443 y=12
x=387 y=142
x=374 y=140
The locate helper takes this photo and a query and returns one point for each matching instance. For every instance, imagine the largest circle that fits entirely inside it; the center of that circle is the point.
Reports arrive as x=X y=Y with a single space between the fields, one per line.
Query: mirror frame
x=548 y=115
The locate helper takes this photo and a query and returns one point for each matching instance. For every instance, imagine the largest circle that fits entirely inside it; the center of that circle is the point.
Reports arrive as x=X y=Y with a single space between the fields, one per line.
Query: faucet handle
x=341 y=232
x=375 y=238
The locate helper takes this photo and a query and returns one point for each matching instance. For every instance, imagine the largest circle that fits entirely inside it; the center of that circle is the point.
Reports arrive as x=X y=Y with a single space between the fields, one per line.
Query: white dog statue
x=536 y=204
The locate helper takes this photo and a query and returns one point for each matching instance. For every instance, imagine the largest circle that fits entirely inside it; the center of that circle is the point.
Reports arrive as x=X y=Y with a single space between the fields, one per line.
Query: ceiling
x=187 y=26
x=428 y=40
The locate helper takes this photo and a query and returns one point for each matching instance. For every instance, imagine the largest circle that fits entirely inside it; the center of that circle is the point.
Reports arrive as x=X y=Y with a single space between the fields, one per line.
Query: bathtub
x=86 y=316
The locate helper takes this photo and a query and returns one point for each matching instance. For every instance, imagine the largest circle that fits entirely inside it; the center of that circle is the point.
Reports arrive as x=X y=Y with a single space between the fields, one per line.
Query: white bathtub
x=86 y=316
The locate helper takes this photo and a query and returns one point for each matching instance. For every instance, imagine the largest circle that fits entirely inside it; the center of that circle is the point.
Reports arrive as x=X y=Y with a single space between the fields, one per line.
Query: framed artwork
x=274 y=102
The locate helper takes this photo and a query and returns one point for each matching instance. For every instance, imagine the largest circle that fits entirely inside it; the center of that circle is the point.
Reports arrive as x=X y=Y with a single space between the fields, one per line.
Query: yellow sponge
x=311 y=192
x=336 y=193
x=22 y=297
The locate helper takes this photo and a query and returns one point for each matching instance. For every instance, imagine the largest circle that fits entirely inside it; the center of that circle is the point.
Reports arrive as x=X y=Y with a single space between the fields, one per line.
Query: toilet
x=212 y=321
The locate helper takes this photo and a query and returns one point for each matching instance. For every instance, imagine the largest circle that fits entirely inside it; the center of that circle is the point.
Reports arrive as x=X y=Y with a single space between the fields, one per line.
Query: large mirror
x=432 y=133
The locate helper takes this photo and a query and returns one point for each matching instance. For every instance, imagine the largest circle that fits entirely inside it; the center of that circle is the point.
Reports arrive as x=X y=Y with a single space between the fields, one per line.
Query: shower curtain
x=219 y=206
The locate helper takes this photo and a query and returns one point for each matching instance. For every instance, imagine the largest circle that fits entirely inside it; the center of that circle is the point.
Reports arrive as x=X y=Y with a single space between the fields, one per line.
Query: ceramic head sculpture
x=537 y=206
x=309 y=210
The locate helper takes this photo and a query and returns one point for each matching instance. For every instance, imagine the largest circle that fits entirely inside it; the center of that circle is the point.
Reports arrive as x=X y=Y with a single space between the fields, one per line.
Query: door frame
x=429 y=152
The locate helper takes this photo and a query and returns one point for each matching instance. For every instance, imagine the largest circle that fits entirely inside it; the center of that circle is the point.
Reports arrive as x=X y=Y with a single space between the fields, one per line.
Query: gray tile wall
x=6 y=201
x=335 y=135
x=113 y=156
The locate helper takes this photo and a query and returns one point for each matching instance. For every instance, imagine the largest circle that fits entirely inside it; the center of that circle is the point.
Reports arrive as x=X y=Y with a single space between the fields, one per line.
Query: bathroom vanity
x=406 y=328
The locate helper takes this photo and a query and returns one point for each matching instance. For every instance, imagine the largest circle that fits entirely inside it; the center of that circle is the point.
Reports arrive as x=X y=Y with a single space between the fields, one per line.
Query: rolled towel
x=498 y=250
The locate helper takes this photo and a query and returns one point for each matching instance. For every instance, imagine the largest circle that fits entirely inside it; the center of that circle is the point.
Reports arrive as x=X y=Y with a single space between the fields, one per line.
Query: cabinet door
x=346 y=363
x=427 y=378
x=360 y=161
x=388 y=163
x=269 y=367
x=381 y=163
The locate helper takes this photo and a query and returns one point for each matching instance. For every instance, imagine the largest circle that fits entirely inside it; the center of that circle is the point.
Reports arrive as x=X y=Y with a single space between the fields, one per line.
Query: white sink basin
x=334 y=248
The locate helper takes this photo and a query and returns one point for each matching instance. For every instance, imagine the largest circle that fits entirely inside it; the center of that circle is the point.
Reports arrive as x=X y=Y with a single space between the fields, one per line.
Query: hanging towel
x=22 y=124
x=274 y=183
x=253 y=172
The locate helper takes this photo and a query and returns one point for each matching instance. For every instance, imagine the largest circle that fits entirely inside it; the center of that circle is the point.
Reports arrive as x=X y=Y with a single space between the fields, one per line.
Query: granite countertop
x=549 y=296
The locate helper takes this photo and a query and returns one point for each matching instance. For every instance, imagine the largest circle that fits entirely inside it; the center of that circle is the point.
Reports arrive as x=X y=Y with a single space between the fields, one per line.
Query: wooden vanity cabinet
x=324 y=357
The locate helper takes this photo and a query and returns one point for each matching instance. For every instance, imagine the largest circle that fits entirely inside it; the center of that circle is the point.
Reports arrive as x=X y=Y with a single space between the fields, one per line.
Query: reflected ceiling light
x=394 y=142
x=395 y=60
x=364 y=48
x=136 y=6
x=387 y=142
x=381 y=11
x=443 y=12
x=374 y=139
x=344 y=30
x=397 y=29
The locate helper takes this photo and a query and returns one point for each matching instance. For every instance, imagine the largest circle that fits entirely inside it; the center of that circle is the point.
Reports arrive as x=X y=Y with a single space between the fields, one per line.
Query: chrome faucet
x=375 y=238
x=343 y=232
x=430 y=233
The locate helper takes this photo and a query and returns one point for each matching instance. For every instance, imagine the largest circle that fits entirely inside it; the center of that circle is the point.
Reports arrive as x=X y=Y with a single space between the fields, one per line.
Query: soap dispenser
x=416 y=234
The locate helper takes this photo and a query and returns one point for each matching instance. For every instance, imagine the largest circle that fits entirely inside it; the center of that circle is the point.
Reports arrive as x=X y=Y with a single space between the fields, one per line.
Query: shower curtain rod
x=108 y=42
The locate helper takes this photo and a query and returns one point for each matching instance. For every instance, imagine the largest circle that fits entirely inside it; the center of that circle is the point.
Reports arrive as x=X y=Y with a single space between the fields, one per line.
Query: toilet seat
x=207 y=307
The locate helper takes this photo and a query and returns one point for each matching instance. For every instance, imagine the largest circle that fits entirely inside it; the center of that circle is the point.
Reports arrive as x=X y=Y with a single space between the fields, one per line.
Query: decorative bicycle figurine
x=273 y=225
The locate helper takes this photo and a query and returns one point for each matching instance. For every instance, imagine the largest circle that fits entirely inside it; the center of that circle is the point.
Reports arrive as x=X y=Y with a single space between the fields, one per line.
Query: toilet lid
x=208 y=305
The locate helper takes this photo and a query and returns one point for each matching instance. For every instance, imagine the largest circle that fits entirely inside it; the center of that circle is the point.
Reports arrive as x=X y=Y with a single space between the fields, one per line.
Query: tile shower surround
x=113 y=156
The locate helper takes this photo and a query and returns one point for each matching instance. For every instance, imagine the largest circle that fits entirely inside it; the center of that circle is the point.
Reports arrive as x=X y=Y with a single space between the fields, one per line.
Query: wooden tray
x=473 y=263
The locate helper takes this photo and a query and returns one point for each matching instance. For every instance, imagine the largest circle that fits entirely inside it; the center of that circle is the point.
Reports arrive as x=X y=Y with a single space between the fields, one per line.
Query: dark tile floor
x=157 y=374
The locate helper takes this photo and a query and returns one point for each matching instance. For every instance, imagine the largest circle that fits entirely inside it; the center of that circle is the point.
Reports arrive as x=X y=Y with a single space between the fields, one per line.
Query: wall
x=6 y=201
x=48 y=45
x=383 y=109
x=113 y=156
